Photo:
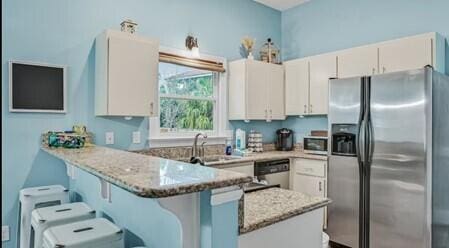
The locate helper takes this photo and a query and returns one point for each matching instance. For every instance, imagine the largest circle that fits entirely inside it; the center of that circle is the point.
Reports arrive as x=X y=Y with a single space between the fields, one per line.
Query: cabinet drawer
x=310 y=167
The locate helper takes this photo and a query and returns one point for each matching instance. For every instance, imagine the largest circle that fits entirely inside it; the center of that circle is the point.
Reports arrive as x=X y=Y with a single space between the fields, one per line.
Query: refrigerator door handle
x=369 y=125
x=360 y=139
x=370 y=142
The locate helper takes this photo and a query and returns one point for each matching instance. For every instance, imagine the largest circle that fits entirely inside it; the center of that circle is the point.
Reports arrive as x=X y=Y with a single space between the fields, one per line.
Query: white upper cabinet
x=126 y=80
x=358 y=61
x=307 y=79
x=307 y=84
x=405 y=54
x=322 y=67
x=256 y=91
x=296 y=87
x=276 y=88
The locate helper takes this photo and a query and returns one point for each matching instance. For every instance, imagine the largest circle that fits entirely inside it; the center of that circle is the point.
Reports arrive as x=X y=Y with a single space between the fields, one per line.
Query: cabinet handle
x=374 y=71
x=305 y=108
x=271 y=114
x=311 y=108
x=384 y=69
x=151 y=108
x=320 y=188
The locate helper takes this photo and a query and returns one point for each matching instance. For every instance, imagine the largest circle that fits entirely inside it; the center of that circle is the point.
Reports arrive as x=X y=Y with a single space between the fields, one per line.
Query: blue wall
x=63 y=32
x=321 y=26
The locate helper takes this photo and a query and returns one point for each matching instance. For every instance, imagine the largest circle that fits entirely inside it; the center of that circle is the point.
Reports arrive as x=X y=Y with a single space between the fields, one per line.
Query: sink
x=217 y=158
x=213 y=159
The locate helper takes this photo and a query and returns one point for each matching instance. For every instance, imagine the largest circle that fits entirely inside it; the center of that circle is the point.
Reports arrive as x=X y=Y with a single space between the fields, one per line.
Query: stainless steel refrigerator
x=389 y=160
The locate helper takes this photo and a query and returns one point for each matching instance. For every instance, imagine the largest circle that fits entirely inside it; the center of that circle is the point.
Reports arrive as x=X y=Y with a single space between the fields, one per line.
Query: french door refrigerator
x=389 y=160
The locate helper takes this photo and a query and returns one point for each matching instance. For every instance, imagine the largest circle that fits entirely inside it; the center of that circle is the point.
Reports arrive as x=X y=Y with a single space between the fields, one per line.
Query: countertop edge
x=288 y=215
x=255 y=158
x=153 y=193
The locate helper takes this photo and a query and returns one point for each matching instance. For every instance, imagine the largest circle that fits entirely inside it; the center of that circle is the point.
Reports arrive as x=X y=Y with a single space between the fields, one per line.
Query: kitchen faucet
x=194 y=158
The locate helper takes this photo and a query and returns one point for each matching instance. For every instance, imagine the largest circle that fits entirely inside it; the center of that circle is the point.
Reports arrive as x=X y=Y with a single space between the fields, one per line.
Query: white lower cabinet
x=309 y=176
x=309 y=185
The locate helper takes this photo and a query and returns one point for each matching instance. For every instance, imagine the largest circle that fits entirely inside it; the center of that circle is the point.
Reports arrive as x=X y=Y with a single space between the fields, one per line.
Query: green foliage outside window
x=187 y=114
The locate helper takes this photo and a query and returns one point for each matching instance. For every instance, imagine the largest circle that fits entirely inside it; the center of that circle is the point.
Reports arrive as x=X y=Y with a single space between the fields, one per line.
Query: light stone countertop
x=266 y=207
x=269 y=155
x=144 y=175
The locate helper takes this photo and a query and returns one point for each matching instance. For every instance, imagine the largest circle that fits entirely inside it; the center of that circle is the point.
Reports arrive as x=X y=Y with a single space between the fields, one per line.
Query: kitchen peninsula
x=192 y=205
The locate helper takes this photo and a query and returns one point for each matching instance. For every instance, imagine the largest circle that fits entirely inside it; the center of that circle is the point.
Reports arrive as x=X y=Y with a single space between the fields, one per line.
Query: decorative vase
x=250 y=56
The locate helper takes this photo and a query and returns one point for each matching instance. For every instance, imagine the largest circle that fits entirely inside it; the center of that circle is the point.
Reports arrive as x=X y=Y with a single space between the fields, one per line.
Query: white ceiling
x=281 y=4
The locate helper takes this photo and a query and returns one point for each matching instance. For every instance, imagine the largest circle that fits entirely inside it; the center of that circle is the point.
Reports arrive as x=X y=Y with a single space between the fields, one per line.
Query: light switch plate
x=136 y=137
x=5 y=233
x=109 y=138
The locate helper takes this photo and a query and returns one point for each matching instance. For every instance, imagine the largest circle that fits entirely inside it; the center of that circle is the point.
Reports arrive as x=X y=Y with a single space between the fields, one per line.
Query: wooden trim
x=201 y=64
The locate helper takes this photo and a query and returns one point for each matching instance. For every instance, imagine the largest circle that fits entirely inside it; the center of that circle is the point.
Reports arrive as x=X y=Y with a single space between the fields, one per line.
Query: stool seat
x=37 y=197
x=94 y=233
x=43 y=218
x=38 y=192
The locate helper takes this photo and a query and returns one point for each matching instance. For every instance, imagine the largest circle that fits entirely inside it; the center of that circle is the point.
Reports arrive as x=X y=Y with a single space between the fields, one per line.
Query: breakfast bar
x=159 y=202
x=193 y=205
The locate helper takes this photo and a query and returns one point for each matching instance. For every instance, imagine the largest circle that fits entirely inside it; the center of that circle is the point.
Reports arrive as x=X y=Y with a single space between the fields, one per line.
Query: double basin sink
x=213 y=159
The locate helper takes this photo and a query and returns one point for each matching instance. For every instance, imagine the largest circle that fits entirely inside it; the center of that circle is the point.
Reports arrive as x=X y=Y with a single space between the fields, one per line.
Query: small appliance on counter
x=284 y=139
x=315 y=145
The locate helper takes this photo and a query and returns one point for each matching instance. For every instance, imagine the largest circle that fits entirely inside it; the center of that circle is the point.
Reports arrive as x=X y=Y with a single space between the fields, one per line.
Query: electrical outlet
x=5 y=233
x=136 y=137
x=109 y=138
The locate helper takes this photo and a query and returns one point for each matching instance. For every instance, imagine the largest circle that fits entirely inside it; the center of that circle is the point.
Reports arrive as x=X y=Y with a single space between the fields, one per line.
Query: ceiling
x=281 y=4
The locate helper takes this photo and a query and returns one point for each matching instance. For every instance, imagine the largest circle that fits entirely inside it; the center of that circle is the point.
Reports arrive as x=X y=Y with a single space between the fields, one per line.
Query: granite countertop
x=269 y=155
x=266 y=207
x=144 y=175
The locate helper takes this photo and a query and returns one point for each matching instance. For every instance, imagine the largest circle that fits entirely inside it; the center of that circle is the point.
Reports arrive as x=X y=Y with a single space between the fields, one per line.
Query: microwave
x=315 y=145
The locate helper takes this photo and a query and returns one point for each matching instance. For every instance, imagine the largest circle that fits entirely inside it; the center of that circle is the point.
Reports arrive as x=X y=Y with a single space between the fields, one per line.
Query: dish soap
x=228 y=147
x=240 y=139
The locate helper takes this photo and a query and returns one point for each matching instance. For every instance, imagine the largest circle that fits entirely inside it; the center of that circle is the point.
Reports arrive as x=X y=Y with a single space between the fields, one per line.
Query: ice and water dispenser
x=344 y=139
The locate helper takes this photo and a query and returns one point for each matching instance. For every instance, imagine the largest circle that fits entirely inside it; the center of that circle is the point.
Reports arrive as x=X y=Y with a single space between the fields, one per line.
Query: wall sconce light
x=192 y=46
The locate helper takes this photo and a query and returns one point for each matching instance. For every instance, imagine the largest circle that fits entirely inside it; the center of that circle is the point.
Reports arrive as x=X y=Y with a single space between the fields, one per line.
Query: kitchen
x=232 y=93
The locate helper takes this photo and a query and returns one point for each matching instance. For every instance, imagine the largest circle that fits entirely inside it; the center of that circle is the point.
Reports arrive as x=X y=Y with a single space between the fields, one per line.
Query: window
x=191 y=100
x=187 y=99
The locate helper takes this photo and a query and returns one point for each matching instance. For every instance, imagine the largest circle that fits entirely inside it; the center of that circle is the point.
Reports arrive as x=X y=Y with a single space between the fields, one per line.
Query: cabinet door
x=257 y=93
x=132 y=77
x=357 y=62
x=276 y=91
x=310 y=185
x=322 y=68
x=296 y=87
x=405 y=54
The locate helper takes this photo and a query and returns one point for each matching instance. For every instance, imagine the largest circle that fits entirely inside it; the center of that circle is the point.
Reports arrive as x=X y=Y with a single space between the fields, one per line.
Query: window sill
x=156 y=142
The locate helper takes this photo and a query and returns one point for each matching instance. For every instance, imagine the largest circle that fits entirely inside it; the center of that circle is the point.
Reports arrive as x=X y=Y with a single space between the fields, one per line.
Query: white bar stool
x=94 y=233
x=44 y=218
x=37 y=197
